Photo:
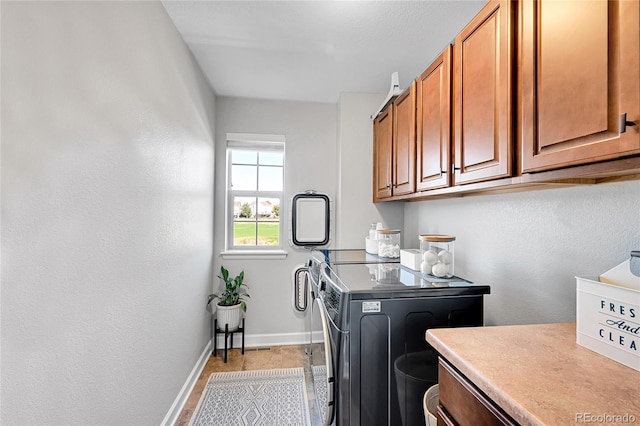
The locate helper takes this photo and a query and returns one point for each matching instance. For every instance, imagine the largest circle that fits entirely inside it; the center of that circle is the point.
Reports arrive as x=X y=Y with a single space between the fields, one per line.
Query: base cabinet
x=462 y=404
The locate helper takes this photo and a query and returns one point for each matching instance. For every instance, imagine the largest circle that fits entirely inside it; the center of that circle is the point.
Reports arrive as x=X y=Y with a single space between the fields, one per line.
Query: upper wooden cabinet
x=382 y=154
x=394 y=148
x=483 y=95
x=404 y=142
x=433 y=132
x=532 y=93
x=579 y=72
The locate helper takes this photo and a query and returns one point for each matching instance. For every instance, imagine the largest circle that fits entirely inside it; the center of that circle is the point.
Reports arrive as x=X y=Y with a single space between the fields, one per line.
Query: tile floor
x=257 y=359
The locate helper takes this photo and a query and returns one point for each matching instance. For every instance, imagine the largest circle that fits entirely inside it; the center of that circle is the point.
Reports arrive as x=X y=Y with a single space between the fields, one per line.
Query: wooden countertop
x=539 y=375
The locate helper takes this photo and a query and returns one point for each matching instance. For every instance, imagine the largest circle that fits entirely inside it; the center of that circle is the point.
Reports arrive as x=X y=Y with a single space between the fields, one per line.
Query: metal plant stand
x=227 y=334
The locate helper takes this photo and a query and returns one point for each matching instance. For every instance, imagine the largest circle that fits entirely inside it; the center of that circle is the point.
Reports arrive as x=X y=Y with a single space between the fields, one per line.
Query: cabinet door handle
x=624 y=123
x=454 y=168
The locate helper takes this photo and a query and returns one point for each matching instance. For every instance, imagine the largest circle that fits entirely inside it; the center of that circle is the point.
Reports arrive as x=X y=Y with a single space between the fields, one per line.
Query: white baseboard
x=251 y=341
x=183 y=395
x=277 y=339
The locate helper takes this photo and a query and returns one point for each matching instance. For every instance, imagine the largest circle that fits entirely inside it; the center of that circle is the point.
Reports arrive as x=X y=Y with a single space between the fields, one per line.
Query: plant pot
x=231 y=315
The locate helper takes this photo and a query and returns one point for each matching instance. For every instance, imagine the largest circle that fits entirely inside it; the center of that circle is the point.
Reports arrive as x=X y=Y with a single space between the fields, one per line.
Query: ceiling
x=314 y=50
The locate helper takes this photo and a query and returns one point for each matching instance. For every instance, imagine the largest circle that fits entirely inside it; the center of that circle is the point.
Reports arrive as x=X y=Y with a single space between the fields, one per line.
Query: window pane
x=270 y=179
x=271 y=158
x=268 y=221
x=244 y=233
x=268 y=208
x=244 y=207
x=244 y=225
x=244 y=157
x=268 y=233
x=243 y=178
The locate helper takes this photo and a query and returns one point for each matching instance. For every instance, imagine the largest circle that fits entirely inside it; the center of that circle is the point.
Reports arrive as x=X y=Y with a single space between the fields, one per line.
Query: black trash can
x=415 y=373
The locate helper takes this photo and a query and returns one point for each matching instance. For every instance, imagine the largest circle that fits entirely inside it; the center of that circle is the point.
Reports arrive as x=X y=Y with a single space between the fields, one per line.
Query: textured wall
x=107 y=196
x=529 y=246
x=355 y=209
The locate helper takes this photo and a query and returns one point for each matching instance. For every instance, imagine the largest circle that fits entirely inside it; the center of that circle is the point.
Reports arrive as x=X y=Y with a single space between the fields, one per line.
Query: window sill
x=254 y=254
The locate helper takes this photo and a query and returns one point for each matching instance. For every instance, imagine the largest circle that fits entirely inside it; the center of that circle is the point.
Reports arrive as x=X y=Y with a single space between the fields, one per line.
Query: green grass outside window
x=244 y=233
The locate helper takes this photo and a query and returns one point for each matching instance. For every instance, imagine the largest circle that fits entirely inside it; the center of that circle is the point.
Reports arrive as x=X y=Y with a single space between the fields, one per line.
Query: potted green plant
x=231 y=301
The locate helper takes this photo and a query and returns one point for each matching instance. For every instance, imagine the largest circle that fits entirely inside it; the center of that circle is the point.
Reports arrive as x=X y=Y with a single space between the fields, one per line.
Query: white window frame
x=253 y=142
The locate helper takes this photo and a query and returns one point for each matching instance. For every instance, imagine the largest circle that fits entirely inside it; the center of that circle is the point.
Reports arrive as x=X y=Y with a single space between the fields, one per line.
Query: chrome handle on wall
x=300 y=288
x=624 y=123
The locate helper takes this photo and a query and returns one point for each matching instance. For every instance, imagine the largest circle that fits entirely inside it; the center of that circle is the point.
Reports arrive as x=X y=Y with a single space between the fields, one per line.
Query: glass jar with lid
x=389 y=243
x=437 y=255
x=373 y=231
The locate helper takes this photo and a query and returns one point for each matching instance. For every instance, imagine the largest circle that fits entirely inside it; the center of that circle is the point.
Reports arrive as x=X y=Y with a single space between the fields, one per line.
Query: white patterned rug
x=258 y=397
x=320 y=387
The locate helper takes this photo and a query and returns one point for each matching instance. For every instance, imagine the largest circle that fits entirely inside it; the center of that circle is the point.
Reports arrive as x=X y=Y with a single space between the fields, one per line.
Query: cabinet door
x=482 y=96
x=382 y=153
x=433 y=131
x=404 y=143
x=461 y=403
x=579 y=73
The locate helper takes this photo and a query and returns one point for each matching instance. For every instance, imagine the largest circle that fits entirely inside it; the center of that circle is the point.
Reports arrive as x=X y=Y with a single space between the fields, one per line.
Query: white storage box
x=411 y=258
x=608 y=315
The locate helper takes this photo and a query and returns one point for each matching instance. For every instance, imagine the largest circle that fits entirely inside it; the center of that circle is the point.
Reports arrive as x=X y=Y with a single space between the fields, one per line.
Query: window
x=255 y=188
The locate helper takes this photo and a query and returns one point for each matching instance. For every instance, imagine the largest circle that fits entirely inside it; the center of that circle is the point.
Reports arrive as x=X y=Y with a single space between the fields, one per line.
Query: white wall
x=310 y=163
x=529 y=246
x=107 y=195
x=355 y=208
